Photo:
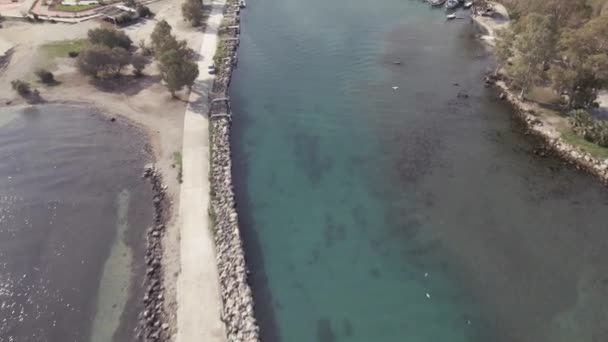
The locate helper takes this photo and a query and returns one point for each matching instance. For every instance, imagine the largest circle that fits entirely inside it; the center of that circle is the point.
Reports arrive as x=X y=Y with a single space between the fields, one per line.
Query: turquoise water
x=416 y=214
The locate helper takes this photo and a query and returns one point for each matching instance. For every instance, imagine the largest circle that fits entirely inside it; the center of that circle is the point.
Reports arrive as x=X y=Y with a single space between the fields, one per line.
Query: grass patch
x=63 y=47
x=74 y=8
x=177 y=163
x=595 y=150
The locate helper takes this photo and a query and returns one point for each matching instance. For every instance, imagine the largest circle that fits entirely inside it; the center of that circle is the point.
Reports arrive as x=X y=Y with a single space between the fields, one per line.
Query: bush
x=21 y=87
x=130 y=3
x=73 y=54
x=45 y=76
x=123 y=19
x=143 y=11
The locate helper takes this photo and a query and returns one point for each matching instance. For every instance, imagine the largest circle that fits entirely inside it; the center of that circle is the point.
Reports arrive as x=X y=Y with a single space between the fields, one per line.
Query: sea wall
x=237 y=300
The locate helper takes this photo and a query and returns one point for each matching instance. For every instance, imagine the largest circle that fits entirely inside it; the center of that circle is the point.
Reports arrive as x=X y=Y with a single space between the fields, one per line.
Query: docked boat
x=451 y=4
x=242 y=4
x=436 y=3
x=468 y=4
x=451 y=16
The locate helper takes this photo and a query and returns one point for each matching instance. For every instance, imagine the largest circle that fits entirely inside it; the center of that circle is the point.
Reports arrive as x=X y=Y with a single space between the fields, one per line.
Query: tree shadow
x=126 y=84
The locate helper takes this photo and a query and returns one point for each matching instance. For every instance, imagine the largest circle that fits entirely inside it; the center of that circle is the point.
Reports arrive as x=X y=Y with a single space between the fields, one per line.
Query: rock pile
x=153 y=326
x=237 y=311
x=236 y=294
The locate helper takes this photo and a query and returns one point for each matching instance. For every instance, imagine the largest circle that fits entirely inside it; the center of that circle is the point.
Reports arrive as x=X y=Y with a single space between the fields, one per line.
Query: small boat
x=436 y=3
x=451 y=4
x=468 y=4
x=451 y=16
x=242 y=4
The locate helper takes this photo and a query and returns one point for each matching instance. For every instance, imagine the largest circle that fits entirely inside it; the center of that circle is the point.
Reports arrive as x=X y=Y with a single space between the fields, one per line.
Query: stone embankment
x=238 y=307
x=582 y=160
x=153 y=324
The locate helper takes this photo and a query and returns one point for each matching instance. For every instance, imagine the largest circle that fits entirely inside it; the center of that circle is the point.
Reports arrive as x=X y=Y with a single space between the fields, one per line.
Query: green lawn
x=63 y=47
x=595 y=150
x=74 y=8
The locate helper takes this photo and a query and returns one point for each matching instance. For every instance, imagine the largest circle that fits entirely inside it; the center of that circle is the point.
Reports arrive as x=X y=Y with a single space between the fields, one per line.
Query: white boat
x=468 y=4
x=242 y=4
x=451 y=16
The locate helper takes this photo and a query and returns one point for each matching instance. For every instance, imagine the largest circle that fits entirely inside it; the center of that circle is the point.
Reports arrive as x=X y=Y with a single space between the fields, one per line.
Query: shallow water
x=418 y=214
x=73 y=213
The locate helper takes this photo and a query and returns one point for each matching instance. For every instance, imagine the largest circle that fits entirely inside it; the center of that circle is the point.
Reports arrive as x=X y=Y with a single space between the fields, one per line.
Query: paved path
x=198 y=294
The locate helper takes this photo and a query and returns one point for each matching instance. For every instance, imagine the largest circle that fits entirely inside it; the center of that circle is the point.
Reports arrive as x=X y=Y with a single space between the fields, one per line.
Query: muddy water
x=73 y=212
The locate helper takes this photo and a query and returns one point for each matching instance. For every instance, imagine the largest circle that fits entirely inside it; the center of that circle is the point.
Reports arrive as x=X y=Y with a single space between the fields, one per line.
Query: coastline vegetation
x=561 y=45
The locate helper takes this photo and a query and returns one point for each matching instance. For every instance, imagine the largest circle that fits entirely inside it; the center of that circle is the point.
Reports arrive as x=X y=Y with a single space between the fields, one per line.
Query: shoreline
x=237 y=298
x=541 y=127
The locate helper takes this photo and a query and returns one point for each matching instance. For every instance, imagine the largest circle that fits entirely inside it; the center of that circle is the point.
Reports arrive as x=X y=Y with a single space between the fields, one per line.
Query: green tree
x=177 y=71
x=582 y=67
x=160 y=36
x=534 y=48
x=192 y=11
x=100 y=60
x=109 y=37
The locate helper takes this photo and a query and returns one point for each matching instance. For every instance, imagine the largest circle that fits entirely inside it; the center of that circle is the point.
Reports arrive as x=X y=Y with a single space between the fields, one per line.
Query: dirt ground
x=144 y=101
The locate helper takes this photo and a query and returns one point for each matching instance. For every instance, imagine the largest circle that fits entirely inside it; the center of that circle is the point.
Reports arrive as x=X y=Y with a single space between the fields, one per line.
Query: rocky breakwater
x=528 y=113
x=153 y=324
x=238 y=307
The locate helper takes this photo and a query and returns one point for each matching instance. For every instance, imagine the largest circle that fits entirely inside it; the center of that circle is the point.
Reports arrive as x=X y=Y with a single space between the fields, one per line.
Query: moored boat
x=468 y=4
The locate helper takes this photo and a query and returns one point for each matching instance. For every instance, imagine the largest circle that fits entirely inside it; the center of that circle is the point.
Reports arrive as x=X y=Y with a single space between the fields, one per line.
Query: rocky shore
x=238 y=307
x=153 y=325
x=529 y=112
x=553 y=142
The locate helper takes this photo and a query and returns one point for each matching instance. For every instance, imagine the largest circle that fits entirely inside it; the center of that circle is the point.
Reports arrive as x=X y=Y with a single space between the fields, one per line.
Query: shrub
x=45 y=76
x=73 y=54
x=21 y=87
x=143 y=11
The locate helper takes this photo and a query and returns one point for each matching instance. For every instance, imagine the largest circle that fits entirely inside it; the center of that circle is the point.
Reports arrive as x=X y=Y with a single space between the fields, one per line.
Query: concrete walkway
x=198 y=294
